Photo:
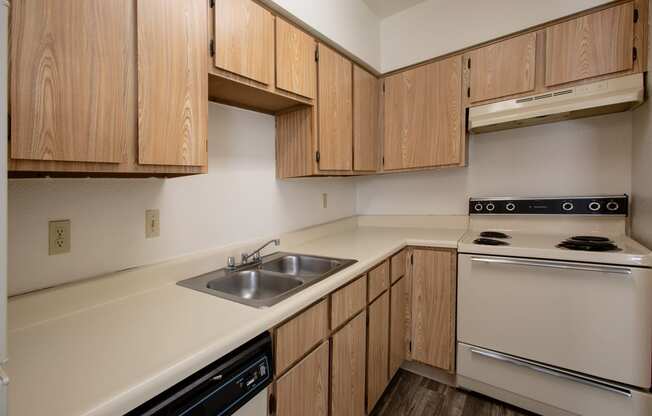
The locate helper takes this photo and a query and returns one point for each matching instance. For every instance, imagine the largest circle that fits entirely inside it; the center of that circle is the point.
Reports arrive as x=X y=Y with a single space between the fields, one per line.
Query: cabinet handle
x=552 y=371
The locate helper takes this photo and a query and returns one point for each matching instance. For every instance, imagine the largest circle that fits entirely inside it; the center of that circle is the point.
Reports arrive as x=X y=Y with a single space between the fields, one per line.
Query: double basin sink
x=268 y=282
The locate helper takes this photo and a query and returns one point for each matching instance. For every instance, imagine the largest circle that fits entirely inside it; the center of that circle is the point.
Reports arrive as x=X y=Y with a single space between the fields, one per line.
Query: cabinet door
x=72 y=80
x=423 y=116
x=348 y=368
x=433 y=308
x=366 y=89
x=244 y=39
x=593 y=45
x=304 y=389
x=399 y=322
x=377 y=350
x=503 y=68
x=296 y=69
x=335 y=110
x=172 y=82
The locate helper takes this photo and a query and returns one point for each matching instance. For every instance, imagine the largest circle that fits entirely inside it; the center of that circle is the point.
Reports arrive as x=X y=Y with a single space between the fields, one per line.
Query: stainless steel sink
x=275 y=278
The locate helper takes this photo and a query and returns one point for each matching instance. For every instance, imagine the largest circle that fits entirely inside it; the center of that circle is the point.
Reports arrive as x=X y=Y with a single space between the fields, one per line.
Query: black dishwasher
x=219 y=389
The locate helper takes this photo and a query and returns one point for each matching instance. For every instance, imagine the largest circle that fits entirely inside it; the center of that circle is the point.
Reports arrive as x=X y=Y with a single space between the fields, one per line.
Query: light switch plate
x=152 y=223
x=58 y=237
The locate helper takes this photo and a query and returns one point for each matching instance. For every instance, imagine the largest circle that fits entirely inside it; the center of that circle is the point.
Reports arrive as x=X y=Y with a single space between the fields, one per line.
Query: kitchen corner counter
x=107 y=358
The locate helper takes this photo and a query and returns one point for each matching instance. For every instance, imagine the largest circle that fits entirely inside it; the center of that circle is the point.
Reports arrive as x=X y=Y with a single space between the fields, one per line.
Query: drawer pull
x=552 y=371
x=554 y=265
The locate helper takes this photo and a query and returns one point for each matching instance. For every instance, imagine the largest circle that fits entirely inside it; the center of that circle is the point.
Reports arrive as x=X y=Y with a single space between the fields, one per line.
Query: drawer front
x=378 y=280
x=297 y=336
x=348 y=301
x=564 y=391
x=398 y=265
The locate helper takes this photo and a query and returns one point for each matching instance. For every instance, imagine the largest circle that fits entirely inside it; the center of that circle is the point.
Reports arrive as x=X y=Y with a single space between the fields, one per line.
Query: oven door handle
x=554 y=265
x=552 y=371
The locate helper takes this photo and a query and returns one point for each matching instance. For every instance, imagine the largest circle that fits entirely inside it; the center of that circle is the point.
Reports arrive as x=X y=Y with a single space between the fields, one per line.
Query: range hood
x=602 y=97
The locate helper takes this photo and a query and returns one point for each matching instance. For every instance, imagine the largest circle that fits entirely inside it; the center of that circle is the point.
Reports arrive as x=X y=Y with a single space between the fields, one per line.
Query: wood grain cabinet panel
x=596 y=44
x=335 y=110
x=244 y=39
x=72 y=71
x=297 y=336
x=377 y=350
x=433 y=308
x=348 y=368
x=366 y=139
x=423 y=116
x=378 y=280
x=503 y=68
x=172 y=82
x=398 y=265
x=304 y=389
x=296 y=69
x=399 y=324
x=348 y=301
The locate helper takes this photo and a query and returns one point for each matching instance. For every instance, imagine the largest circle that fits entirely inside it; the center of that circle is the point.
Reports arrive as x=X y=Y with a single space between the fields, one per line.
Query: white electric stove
x=555 y=306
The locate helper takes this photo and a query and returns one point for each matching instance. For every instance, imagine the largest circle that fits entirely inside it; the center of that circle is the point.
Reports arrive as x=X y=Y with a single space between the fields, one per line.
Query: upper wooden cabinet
x=335 y=110
x=596 y=44
x=72 y=80
x=503 y=68
x=296 y=66
x=244 y=39
x=366 y=96
x=423 y=116
x=172 y=82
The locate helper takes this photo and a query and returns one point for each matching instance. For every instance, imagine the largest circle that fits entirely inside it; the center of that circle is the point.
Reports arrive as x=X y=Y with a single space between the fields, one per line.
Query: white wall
x=239 y=199
x=580 y=157
x=437 y=27
x=348 y=23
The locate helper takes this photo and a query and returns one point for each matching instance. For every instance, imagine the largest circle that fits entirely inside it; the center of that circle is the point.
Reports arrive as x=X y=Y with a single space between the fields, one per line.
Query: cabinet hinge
x=635 y=15
x=410 y=346
x=411 y=258
x=317 y=54
x=272 y=404
x=469 y=63
x=468 y=92
x=383 y=160
x=634 y=54
x=317 y=156
x=211 y=47
x=383 y=87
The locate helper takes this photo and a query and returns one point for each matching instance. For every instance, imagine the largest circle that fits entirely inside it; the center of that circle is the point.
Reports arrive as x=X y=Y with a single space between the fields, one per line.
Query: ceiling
x=385 y=8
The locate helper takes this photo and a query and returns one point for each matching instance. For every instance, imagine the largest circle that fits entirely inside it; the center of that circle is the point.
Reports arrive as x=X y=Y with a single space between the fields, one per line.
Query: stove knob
x=567 y=206
x=490 y=207
x=478 y=207
x=510 y=206
x=612 y=206
x=594 y=206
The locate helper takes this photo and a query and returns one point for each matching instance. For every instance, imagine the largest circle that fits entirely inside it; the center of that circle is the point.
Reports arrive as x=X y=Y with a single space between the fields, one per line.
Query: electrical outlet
x=152 y=223
x=58 y=237
x=324 y=200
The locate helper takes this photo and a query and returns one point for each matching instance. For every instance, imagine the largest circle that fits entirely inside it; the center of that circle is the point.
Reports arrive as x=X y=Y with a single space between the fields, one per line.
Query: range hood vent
x=603 y=97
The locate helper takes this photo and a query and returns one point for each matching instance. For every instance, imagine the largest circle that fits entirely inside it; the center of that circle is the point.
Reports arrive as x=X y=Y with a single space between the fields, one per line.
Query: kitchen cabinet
x=596 y=44
x=433 y=307
x=348 y=347
x=423 y=116
x=366 y=101
x=378 y=280
x=244 y=39
x=503 y=68
x=398 y=265
x=335 y=110
x=348 y=301
x=377 y=349
x=304 y=389
x=296 y=66
x=172 y=82
x=399 y=324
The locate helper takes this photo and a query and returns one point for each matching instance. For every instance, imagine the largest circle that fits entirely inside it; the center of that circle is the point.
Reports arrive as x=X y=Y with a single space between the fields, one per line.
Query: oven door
x=589 y=318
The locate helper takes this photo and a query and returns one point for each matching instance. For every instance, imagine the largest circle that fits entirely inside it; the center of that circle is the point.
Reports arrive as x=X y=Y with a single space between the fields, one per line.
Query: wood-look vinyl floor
x=412 y=395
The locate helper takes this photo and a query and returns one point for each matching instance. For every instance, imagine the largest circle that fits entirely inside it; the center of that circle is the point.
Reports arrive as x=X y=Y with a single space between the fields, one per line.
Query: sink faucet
x=253 y=257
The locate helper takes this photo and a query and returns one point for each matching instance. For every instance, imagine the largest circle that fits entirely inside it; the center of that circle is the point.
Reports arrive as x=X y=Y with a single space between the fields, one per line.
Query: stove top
x=489 y=242
x=589 y=243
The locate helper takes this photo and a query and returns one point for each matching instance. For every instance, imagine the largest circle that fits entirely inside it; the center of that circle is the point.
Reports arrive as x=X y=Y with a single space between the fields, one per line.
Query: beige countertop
x=103 y=347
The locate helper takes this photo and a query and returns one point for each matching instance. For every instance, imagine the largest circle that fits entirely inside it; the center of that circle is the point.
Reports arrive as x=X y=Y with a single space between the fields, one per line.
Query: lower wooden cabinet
x=348 y=346
x=377 y=349
x=433 y=307
x=304 y=389
x=399 y=324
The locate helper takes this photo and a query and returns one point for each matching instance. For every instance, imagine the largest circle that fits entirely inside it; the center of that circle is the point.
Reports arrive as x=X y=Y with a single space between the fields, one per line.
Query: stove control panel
x=589 y=205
